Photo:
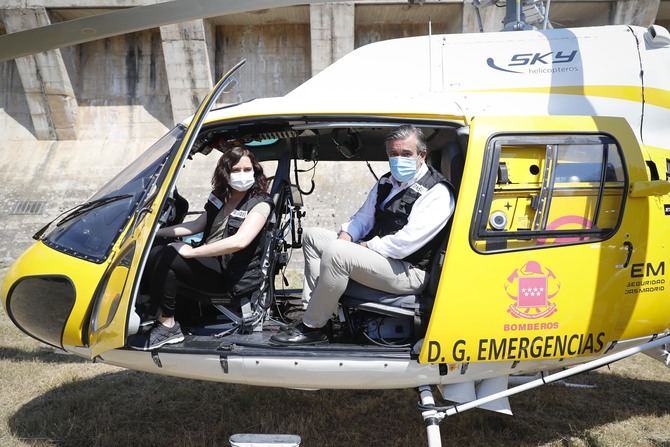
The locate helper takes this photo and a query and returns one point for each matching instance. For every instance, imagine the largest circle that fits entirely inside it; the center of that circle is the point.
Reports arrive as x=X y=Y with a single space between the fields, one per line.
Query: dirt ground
x=53 y=399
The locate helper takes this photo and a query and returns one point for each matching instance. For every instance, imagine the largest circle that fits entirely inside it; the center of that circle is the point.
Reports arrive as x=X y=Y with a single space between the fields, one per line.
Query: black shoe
x=300 y=335
x=158 y=336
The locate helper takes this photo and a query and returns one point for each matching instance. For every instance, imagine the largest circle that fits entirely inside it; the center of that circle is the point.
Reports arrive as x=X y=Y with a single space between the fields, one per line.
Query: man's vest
x=242 y=272
x=394 y=215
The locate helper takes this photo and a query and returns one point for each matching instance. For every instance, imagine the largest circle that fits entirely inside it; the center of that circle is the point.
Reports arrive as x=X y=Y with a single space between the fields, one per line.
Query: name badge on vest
x=418 y=188
x=215 y=201
x=239 y=214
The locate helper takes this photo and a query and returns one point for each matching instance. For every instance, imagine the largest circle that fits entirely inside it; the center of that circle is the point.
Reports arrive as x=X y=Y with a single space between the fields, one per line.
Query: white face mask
x=242 y=181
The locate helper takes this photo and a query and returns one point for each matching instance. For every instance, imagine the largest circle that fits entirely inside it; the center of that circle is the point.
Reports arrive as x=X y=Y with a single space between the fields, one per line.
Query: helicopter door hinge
x=156 y=359
x=223 y=360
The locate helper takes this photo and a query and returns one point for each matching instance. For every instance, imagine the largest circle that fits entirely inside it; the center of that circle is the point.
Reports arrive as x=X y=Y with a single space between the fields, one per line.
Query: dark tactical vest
x=241 y=270
x=394 y=215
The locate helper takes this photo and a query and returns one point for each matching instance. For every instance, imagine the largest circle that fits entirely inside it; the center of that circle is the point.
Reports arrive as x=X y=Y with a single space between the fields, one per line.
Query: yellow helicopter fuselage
x=557 y=249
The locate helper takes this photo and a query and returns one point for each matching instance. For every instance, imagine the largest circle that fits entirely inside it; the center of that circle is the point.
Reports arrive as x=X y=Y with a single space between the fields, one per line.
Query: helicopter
x=554 y=262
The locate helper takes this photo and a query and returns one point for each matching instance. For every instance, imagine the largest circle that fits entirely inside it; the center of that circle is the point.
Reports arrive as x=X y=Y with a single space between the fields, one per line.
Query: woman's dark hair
x=221 y=177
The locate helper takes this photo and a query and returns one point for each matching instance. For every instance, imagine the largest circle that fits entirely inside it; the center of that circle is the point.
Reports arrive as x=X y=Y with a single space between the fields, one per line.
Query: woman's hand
x=185 y=228
x=184 y=250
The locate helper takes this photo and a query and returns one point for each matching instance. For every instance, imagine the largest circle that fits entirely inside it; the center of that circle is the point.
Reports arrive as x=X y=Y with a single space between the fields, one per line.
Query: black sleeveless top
x=241 y=270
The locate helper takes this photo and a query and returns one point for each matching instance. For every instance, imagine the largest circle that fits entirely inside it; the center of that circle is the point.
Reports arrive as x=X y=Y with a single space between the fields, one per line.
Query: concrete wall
x=278 y=58
x=121 y=86
x=366 y=34
x=57 y=175
x=394 y=21
x=15 y=119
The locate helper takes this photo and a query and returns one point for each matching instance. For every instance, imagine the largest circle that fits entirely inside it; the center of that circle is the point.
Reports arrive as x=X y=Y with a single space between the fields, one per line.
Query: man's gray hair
x=405 y=131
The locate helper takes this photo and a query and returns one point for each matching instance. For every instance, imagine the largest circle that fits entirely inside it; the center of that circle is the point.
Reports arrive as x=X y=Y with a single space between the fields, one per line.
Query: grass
x=51 y=399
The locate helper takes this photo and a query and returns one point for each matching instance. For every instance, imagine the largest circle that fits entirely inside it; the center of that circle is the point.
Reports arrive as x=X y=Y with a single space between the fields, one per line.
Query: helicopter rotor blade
x=128 y=20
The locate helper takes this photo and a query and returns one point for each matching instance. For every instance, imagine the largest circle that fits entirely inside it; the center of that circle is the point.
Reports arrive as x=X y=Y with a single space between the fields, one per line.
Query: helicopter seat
x=240 y=311
x=228 y=309
x=367 y=311
x=360 y=297
x=221 y=301
x=416 y=308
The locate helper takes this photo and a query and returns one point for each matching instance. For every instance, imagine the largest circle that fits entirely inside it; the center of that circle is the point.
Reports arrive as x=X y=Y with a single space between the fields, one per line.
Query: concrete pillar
x=492 y=18
x=45 y=80
x=635 y=12
x=188 y=66
x=332 y=33
x=210 y=41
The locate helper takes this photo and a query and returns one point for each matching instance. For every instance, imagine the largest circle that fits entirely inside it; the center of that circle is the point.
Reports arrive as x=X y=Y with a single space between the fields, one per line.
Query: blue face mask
x=403 y=169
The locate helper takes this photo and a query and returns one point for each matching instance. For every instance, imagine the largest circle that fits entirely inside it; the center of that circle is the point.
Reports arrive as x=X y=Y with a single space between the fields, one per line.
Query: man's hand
x=344 y=236
x=184 y=250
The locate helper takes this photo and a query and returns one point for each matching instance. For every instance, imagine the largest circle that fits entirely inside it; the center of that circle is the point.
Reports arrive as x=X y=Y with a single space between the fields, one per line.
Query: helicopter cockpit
x=290 y=150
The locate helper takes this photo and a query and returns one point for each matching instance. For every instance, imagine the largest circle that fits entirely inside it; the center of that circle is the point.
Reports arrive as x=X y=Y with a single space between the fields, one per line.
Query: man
x=387 y=245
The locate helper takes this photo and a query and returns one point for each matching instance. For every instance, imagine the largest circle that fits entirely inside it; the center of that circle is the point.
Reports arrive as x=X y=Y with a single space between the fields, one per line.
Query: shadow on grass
x=131 y=408
x=44 y=355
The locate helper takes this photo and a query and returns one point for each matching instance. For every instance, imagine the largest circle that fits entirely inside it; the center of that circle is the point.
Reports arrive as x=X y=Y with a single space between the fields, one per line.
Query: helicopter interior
x=367 y=317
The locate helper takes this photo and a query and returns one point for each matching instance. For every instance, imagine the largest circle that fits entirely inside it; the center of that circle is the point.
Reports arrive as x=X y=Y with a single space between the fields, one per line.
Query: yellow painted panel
x=546 y=301
x=42 y=260
x=113 y=334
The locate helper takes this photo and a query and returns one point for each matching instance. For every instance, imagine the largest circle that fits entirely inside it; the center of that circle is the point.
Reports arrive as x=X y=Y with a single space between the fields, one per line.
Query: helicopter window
x=90 y=232
x=549 y=191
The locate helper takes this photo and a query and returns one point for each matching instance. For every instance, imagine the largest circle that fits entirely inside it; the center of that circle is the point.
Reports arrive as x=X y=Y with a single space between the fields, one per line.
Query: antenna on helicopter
x=430 y=54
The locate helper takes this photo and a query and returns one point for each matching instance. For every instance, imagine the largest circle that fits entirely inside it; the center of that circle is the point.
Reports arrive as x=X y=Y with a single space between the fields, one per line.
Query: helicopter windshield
x=90 y=233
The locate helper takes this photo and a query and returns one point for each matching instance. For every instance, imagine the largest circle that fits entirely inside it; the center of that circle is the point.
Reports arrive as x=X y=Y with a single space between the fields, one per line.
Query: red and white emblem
x=531 y=287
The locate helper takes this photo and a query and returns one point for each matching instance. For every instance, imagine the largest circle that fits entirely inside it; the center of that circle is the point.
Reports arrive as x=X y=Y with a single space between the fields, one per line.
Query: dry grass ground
x=50 y=399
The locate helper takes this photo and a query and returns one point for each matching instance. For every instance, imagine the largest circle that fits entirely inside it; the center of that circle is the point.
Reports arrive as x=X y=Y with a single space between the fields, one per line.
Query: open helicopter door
x=108 y=325
x=548 y=229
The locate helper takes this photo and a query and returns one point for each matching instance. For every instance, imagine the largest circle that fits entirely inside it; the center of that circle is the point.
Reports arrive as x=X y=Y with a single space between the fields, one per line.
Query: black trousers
x=165 y=267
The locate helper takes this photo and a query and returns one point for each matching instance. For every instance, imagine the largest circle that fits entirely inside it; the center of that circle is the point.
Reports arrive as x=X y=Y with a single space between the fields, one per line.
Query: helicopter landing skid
x=433 y=415
x=432 y=418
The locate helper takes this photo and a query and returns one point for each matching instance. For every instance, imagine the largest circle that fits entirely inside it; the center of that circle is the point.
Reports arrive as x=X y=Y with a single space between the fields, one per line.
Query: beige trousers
x=330 y=263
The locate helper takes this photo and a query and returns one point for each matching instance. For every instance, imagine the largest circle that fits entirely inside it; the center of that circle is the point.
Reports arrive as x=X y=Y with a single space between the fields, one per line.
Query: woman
x=230 y=258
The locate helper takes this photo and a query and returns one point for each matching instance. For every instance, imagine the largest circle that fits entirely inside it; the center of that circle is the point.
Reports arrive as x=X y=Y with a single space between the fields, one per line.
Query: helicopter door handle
x=629 y=254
